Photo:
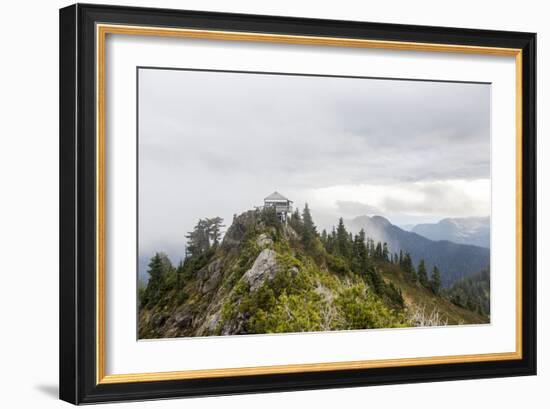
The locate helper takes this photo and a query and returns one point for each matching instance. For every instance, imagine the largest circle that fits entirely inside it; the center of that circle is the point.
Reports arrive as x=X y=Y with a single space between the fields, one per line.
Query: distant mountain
x=466 y=230
x=455 y=261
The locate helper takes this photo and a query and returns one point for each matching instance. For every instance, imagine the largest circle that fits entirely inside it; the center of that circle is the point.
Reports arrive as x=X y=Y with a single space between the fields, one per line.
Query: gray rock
x=211 y=276
x=184 y=320
x=235 y=326
x=264 y=269
x=236 y=232
x=212 y=323
x=264 y=240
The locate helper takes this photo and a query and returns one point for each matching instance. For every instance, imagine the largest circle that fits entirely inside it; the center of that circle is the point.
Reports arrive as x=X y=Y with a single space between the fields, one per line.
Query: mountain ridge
x=269 y=277
x=453 y=259
x=462 y=230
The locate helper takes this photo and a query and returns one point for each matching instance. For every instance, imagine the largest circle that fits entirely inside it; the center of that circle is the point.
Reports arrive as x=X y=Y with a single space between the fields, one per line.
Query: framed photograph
x=257 y=203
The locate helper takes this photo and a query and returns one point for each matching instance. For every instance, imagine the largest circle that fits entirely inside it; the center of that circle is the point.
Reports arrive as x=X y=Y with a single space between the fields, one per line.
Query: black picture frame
x=78 y=360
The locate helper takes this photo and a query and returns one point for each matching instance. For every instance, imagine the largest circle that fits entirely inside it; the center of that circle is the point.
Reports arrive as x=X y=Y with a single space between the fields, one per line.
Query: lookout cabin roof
x=276 y=196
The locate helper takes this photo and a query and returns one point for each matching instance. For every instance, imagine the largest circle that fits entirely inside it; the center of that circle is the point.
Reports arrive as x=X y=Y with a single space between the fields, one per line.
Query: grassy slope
x=420 y=296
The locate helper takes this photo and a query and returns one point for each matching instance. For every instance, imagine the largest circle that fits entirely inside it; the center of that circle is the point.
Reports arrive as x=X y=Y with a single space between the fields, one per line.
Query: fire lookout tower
x=282 y=206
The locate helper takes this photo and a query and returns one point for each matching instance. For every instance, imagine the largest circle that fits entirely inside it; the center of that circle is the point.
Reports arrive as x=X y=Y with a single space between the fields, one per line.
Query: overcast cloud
x=217 y=143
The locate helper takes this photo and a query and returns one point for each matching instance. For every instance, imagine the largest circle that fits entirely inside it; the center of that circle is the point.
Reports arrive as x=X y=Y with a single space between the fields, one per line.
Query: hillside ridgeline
x=269 y=277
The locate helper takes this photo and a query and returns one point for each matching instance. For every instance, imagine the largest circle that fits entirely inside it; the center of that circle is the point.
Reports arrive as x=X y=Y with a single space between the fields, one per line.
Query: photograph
x=285 y=202
x=258 y=201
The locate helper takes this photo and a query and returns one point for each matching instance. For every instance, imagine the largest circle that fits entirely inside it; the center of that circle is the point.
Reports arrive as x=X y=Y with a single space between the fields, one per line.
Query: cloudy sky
x=215 y=144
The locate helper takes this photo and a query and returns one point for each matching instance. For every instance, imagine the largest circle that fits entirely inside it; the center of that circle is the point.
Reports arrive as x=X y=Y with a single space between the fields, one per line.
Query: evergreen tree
x=324 y=237
x=270 y=217
x=159 y=268
x=363 y=255
x=472 y=292
x=360 y=257
x=408 y=268
x=309 y=230
x=378 y=251
x=180 y=270
x=375 y=280
x=331 y=242
x=296 y=221
x=370 y=247
x=422 y=273
x=204 y=235
x=198 y=240
x=296 y=215
x=435 y=280
x=385 y=252
x=193 y=245
x=214 y=227
x=394 y=295
x=342 y=240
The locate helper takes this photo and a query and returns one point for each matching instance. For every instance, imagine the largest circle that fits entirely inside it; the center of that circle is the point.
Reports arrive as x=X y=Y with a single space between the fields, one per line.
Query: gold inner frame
x=101 y=33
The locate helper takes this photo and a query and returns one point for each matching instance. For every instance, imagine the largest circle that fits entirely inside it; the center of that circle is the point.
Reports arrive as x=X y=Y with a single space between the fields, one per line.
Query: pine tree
x=370 y=247
x=198 y=240
x=408 y=268
x=270 y=217
x=435 y=280
x=214 y=227
x=342 y=239
x=359 y=257
x=296 y=221
x=159 y=267
x=375 y=280
x=385 y=252
x=363 y=255
x=324 y=237
x=180 y=274
x=378 y=251
x=309 y=230
x=422 y=273
x=203 y=235
x=331 y=242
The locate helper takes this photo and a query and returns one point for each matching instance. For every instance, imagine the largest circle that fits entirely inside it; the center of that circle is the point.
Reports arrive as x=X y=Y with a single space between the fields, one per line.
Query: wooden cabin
x=282 y=205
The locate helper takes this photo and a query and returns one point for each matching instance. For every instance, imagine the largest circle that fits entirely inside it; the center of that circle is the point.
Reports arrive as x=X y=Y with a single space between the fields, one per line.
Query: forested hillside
x=454 y=260
x=472 y=292
x=266 y=276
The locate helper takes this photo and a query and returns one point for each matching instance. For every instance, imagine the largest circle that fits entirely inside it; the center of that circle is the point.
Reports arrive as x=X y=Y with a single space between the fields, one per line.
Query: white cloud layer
x=217 y=143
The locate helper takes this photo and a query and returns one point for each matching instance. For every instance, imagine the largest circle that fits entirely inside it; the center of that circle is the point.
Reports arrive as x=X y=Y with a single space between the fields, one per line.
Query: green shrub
x=337 y=264
x=291 y=313
x=362 y=309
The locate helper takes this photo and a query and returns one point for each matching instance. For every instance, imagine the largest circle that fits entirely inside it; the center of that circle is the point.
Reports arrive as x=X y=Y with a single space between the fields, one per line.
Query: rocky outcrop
x=211 y=276
x=241 y=224
x=264 y=269
x=264 y=240
x=221 y=291
x=236 y=325
x=184 y=320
